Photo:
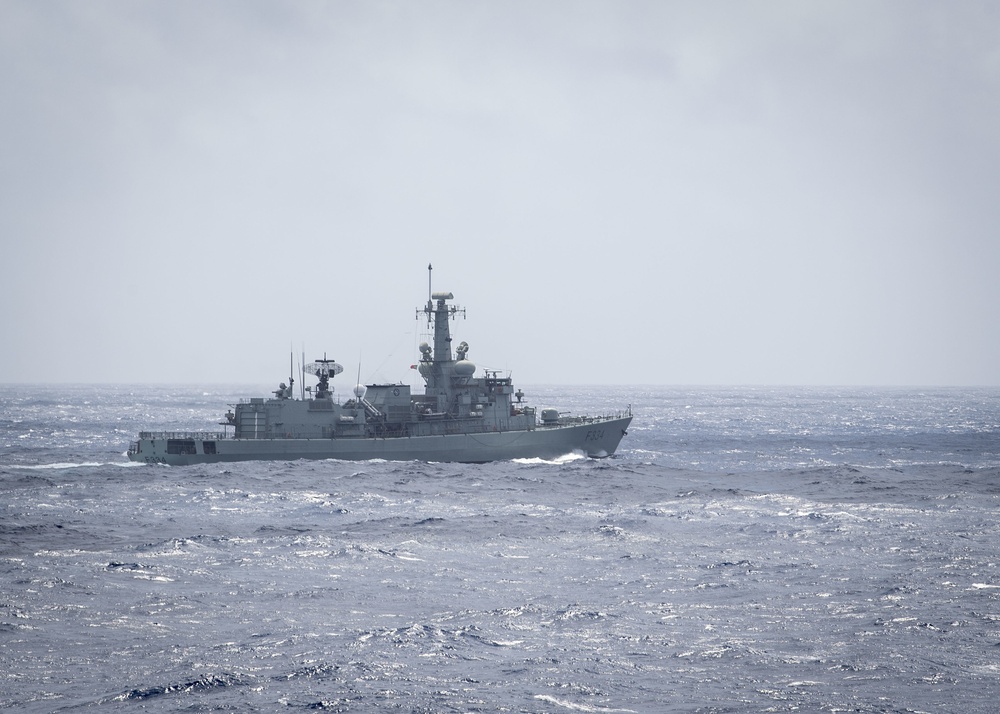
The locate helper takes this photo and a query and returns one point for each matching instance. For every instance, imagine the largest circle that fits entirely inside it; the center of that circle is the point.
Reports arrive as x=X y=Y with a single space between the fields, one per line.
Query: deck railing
x=456 y=427
x=197 y=435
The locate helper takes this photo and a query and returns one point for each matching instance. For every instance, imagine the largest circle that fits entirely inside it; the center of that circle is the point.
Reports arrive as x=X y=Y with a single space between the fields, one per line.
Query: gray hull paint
x=596 y=439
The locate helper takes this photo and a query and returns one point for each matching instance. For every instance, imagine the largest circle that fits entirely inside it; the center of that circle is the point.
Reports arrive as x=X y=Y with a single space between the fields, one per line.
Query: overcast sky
x=618 y=192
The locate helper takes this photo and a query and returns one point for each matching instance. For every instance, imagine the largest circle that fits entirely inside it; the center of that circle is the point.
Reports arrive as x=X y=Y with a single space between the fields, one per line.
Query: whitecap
x=578 y=707
x=85 y=464
x=564 y=459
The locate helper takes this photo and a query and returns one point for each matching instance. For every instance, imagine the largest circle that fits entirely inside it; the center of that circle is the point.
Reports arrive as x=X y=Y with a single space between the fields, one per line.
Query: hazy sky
x=618 y=192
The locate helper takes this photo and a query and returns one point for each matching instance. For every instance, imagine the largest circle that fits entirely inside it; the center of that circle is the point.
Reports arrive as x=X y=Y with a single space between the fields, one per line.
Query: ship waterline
x=598 y=438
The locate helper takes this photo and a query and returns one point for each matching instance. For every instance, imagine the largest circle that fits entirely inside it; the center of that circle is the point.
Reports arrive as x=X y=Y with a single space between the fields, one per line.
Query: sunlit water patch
x=746 y=550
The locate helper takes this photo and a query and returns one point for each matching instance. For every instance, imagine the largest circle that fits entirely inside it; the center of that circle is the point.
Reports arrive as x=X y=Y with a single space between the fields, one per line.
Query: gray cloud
x=618 y=192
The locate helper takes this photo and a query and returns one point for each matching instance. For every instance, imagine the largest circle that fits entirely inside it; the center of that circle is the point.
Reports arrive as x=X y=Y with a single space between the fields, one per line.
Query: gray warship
x=459 y=418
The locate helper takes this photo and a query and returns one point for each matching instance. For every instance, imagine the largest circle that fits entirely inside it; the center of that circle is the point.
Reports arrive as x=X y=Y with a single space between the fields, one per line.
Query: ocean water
x=746 y=550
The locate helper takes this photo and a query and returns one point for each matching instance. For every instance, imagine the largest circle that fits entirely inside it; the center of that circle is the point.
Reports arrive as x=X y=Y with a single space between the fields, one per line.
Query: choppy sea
x=746 y=550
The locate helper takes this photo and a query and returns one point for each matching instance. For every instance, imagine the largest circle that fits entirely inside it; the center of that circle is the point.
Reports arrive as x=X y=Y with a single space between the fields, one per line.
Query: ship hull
x=596 y=439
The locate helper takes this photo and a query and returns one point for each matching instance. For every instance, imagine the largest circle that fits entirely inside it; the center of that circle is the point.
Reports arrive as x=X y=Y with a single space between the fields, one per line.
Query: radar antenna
x=323 y=369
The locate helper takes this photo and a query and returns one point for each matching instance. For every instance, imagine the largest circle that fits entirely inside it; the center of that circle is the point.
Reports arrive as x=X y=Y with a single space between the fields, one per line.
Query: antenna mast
x=430 y=301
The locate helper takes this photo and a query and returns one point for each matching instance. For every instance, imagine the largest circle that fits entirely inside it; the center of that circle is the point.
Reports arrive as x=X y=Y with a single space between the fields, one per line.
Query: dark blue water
x=746 y=550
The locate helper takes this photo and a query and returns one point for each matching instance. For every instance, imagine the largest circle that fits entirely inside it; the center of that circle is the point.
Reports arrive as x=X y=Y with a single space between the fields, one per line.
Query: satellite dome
x=465 y=368
x=359 y=391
